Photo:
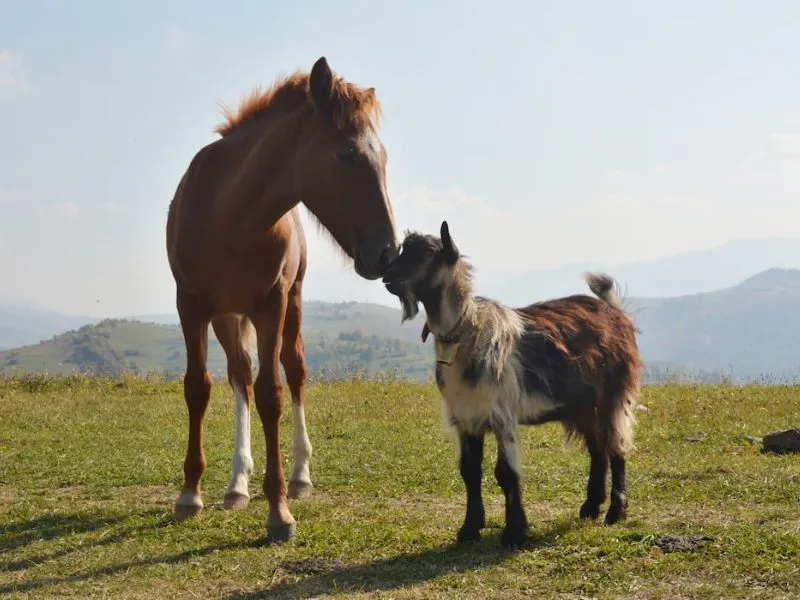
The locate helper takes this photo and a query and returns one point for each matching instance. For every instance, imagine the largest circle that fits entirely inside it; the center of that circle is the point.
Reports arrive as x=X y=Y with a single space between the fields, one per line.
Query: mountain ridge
x=747 y=331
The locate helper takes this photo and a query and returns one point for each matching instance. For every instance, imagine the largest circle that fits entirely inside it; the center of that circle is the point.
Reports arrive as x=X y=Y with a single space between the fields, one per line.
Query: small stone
x=681 y=543
x=782 y=442
x=696 y=437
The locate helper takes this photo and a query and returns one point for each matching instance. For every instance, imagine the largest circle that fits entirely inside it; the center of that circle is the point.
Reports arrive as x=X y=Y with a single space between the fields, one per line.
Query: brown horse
x=237 y=252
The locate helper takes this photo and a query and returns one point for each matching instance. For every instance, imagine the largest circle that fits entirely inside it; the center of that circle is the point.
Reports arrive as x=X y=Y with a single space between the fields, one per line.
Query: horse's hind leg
x=196 y=391
x=229 y=332
x=294 y=364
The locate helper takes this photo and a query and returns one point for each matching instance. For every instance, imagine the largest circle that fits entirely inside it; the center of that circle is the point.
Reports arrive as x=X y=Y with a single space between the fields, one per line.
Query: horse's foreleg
x=269 y=401
x=294 y=363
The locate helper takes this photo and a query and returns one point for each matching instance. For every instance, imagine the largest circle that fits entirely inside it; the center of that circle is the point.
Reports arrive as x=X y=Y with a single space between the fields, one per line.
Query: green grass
x=89 y=471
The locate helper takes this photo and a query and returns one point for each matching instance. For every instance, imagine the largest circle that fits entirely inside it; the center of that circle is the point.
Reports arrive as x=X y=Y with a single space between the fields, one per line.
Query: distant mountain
x=24 y=326
x=749 y=329
x=678 y=275
x=740 y=332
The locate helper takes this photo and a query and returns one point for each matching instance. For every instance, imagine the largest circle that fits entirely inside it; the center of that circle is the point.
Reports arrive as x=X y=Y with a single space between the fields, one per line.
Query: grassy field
x=89 y=471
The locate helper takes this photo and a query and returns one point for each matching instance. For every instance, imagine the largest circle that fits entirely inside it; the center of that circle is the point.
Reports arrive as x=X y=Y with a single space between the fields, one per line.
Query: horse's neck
x=263 y=187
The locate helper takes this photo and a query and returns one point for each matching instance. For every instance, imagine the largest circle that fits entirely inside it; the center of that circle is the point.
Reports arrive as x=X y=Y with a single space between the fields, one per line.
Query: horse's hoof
x=183 y=512
x=281 y=533
x=235 y=501
x=299 y=489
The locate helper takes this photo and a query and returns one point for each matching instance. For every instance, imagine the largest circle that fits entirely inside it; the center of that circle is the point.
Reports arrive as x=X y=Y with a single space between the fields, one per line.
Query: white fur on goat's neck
x=490 y=332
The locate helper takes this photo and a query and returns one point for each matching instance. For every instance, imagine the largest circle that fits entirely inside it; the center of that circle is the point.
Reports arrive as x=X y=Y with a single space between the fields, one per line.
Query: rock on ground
x=783 y=441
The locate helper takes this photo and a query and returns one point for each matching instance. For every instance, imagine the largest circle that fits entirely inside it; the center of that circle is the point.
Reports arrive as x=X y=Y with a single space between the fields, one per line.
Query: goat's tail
x=604 y=287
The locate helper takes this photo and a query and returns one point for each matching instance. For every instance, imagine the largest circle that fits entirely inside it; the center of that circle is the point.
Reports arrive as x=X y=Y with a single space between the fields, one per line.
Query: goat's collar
x=452 y=336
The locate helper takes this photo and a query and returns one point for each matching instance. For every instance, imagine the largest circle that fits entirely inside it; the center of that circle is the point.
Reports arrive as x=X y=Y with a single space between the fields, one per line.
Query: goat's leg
x=507 y=472
x=618 y=508
x=471 y=472
x=596 y=486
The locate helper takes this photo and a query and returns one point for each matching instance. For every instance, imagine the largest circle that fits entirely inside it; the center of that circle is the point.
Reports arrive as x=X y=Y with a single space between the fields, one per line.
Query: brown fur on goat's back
x=599 y=340
x=586 y=329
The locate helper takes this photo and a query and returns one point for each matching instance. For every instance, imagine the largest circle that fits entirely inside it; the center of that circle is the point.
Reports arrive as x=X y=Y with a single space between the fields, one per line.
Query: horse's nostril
x=387 y=257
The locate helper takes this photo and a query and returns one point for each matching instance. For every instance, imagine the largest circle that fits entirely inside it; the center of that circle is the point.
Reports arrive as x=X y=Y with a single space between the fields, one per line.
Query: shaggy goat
x=573 y=360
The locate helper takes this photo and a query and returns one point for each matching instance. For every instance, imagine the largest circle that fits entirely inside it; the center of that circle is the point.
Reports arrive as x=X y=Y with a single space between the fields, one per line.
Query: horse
x=237 y=251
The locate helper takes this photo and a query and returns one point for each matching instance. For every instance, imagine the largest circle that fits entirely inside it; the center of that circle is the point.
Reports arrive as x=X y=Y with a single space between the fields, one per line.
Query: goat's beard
x=409 y=303
x=402 y=289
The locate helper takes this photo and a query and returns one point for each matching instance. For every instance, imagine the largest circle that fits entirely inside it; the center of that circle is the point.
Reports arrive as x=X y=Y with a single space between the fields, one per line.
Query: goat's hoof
x=616 y=513
x=468 y=534
x=589 y=511
x=513 y=538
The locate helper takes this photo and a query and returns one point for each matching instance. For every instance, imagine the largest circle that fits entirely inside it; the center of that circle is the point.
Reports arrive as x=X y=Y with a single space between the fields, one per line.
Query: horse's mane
x=353 y=106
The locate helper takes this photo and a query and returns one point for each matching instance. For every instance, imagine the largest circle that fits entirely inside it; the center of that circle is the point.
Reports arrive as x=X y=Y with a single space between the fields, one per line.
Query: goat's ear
x=450 y=249
x=425 y=333
x=320 y=84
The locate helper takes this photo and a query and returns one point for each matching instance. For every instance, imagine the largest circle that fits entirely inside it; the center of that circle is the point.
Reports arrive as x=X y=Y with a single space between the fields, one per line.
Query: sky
x=544 y=132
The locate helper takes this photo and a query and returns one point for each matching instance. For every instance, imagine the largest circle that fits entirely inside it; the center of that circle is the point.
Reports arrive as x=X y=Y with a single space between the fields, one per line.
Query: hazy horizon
x=547 y=136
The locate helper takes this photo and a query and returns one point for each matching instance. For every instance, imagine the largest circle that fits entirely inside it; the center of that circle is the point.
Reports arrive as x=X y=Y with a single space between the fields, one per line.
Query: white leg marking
x=301 y=447
x=242 y=460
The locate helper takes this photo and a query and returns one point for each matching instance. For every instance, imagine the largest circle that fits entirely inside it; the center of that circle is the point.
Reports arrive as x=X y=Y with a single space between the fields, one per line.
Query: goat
x=574 y=360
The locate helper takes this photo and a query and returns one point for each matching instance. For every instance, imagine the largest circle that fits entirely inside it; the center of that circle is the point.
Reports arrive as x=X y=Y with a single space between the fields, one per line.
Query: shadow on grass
x=123 y=567
x=64 y=525
x=383 y=574
x=48 y=527
x=402 y=570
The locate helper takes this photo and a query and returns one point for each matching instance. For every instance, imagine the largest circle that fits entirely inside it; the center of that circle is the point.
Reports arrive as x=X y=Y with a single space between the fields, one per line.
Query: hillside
x=340 y=341
x=749 y=330
x=740 y=333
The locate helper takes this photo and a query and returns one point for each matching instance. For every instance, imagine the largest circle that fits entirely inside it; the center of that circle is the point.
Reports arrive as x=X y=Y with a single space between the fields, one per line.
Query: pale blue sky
x=545 y=133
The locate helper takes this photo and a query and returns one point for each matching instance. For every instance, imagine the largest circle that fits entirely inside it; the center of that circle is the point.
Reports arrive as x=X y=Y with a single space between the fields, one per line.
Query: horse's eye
x=346 y=154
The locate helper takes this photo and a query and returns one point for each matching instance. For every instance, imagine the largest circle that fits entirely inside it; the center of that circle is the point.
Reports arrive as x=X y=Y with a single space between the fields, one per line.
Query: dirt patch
x=160 y=495
x=312 y=565
x=7 y=494
x=681 y=543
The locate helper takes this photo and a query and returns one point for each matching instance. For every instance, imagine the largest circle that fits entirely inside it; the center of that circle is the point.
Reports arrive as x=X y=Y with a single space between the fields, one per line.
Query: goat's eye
x=346 y=154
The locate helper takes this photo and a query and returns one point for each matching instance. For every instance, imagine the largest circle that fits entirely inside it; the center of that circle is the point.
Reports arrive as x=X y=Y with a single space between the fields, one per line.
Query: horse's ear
x=320 y=83
x=450 y=249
